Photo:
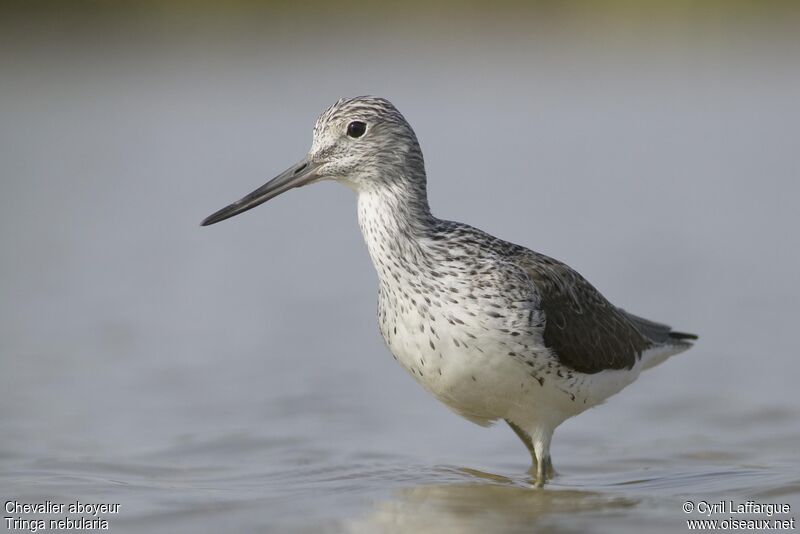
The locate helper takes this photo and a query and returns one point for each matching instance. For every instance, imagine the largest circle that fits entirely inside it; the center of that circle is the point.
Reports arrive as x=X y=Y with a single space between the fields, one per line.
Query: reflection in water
x=479 y=507
x=495 y=503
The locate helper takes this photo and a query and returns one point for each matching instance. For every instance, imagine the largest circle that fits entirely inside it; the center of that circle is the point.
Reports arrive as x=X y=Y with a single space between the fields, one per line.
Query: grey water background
x=232 y=377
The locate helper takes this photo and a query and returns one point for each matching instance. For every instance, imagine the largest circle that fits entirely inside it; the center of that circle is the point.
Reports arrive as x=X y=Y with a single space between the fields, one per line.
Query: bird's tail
x=682 y=336
x=666 y=341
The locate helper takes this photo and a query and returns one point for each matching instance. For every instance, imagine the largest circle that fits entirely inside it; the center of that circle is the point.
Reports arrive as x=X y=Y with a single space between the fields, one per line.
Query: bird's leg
x=526 y=439
x=549 y=469
x=541 y=446
x=540 y=453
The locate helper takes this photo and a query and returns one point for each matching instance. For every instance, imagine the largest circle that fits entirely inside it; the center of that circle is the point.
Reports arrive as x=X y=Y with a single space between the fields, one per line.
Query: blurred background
x=234 y=377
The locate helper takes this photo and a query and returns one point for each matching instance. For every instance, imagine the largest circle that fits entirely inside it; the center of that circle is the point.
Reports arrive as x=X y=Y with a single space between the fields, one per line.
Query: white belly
x=452 y=367
x=472 y=373
x=464 y=367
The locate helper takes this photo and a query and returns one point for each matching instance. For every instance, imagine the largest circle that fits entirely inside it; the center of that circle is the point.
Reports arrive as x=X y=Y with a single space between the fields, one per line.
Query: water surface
x=233 y=377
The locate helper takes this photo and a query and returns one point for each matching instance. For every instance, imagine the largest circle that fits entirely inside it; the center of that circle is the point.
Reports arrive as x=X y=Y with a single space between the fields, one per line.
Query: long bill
x=297 y=175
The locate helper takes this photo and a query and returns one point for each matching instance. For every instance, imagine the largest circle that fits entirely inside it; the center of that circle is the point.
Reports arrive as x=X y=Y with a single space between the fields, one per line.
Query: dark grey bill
x=295 y=176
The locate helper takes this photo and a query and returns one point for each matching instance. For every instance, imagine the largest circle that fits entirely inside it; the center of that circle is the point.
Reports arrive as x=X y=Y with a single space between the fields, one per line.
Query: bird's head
x=362 y=142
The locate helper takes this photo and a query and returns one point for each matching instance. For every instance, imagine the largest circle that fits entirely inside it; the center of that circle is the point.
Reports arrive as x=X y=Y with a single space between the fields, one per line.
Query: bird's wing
x=583 y=330
x=659 y=332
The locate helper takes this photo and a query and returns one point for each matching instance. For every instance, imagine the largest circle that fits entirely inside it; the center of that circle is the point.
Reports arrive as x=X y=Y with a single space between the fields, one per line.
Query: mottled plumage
x=492 y=329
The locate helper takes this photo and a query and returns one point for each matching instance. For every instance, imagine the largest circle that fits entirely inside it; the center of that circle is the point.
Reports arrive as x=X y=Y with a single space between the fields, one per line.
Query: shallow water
x=232 y=377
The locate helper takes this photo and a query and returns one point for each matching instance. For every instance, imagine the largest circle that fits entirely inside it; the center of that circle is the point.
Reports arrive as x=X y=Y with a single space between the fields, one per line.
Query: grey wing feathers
x=582 y=328
x=658 y=332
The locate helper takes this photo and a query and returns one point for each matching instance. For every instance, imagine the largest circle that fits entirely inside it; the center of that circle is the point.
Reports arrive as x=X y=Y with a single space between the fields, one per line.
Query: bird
x=494 y=330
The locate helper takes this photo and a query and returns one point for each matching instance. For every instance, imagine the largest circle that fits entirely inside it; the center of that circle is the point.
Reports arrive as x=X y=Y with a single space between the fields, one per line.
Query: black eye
x=356 y=128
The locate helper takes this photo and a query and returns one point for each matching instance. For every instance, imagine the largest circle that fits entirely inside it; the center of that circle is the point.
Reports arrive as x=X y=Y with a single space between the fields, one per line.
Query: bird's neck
x=394 y=221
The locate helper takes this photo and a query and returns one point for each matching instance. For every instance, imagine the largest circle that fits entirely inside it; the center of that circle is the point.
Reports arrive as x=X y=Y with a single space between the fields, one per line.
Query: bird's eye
x=356 y=128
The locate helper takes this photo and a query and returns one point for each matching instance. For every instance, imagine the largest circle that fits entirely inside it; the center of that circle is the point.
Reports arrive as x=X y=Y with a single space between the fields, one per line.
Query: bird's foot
x=542 y=472
x=549 y=469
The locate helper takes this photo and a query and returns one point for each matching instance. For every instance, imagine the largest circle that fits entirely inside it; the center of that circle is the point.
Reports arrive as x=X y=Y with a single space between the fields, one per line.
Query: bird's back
x=584 y=331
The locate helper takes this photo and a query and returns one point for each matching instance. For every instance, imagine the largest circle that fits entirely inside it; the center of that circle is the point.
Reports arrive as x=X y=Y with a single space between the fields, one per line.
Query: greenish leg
x=526 y=439
x=542 y=469
x=549 y=469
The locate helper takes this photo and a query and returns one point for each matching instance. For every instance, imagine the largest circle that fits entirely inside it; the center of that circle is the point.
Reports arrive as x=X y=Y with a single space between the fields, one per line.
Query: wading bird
x=492 y=329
